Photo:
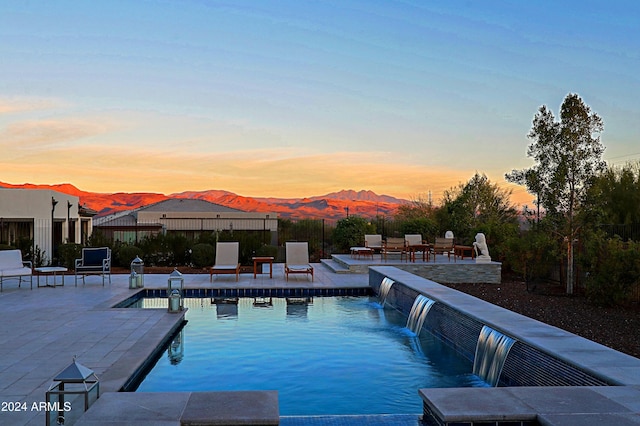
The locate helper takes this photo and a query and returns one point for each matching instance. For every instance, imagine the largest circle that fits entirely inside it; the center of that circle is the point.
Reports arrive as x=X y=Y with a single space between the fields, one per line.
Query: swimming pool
x=334 y=355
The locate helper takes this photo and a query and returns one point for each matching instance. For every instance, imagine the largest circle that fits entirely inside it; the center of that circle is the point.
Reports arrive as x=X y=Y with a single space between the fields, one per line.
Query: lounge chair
x=374 y=242
x=227 y=254
x=12 y=266
x=94 y=261
x=393 y=246
x=297 y=261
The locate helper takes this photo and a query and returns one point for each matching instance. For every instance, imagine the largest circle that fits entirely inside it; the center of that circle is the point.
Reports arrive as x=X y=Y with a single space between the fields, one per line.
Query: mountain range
x=335 y=205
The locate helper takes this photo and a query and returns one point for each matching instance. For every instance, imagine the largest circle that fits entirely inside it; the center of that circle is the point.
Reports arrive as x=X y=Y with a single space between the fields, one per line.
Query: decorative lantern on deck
x=137 y=266
x=73 y=391
x=175 y=291
x=133 y=280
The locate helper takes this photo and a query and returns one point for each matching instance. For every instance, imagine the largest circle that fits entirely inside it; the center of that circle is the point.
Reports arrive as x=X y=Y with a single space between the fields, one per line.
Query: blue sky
x=301 y=98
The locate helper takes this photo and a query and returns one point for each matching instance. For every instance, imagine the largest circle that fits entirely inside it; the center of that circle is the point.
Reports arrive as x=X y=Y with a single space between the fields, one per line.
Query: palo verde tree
x=568 y=156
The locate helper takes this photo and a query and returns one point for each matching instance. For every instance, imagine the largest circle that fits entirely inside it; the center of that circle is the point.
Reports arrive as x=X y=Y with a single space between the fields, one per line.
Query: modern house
x=189 y=217
x=45 y=217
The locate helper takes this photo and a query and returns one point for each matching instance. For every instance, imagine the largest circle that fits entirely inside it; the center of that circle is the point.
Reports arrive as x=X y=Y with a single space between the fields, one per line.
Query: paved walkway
x=41 y=330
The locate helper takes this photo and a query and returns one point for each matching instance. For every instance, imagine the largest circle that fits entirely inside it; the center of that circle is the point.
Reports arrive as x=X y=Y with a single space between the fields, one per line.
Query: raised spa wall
x=543 y=355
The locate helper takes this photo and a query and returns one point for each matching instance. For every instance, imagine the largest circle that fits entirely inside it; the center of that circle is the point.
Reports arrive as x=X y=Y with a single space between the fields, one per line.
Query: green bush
x=531 y=254
x=202 y=255
x=613 y=270
x=350 y=232
x=125 y=254
x=68 y=253
x=266 y=250
x=423 y=226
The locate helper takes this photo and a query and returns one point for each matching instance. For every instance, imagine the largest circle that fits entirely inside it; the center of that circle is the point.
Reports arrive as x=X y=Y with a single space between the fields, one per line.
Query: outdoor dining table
x=424 y=248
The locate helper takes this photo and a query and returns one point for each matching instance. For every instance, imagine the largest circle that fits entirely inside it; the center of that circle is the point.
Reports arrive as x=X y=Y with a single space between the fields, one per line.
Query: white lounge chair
x=226 y=260
x=297 y=261
x=12 y=266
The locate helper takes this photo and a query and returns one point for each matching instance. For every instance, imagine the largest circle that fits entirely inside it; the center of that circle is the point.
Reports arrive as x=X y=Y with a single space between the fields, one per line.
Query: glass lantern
x=175 y=291
x=137 y=266
x=73 y=391
x=133 y=280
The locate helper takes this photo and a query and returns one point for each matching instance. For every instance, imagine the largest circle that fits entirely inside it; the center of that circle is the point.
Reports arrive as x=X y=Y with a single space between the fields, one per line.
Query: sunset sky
x=300 y=98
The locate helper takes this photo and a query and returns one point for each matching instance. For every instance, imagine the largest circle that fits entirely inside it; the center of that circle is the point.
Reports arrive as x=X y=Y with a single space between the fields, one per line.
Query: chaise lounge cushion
x=15 y=272
x=12 y=266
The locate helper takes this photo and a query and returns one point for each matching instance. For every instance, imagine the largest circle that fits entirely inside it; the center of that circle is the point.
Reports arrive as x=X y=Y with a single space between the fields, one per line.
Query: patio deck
x=442 y=270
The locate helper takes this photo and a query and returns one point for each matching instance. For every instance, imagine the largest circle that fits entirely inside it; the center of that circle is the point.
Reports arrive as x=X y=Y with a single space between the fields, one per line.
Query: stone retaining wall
x=456 y=272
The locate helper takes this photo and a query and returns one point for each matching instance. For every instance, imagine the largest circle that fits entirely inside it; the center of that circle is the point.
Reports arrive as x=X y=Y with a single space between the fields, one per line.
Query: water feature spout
x=491 y=353
x=385 y=286
x=418 y=314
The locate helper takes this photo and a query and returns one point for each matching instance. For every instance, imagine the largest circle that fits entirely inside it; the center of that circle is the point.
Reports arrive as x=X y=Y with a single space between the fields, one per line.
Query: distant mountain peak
x=362 y=195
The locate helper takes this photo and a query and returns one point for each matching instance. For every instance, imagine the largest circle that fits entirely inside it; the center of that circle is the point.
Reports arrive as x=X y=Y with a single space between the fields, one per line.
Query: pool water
x=335 y=355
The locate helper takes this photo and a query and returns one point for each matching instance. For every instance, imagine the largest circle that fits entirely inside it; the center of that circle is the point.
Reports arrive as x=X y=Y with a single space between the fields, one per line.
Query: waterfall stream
x=491 y=353
x=385 y=286
x=418 y=313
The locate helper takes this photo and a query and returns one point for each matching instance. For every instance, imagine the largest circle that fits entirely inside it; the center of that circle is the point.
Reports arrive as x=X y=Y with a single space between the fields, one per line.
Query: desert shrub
x=613 y=270
x=531 y=254
x=202 y=254
x=423 y=226
x=350 y=231
x=267 y=250
x=165 y=250
x=99 y=239
x=68 y=253
x=125 y=254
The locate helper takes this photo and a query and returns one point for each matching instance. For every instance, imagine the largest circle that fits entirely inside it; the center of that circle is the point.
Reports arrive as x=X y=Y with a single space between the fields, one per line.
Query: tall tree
x=477 y=205
x=616 y=195
x=568 y=156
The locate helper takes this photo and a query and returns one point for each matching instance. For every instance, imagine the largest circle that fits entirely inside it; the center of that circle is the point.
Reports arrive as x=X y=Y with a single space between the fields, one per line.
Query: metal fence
x=628 y=232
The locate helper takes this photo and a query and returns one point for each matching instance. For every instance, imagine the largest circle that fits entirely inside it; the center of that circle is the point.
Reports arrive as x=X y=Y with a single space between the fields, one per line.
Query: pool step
x=336 y=267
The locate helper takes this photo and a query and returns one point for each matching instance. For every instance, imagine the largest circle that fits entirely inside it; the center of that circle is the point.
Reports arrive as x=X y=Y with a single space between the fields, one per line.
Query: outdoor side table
x=259 y=260
x=358 y=252
x=462 y=251
x=50 y=270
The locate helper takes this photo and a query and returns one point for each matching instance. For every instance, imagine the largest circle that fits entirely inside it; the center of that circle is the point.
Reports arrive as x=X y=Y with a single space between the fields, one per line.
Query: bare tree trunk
x=570 y=266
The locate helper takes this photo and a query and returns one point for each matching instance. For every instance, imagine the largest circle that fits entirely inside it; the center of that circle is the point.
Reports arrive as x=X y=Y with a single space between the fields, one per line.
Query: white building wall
x=36 y=204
